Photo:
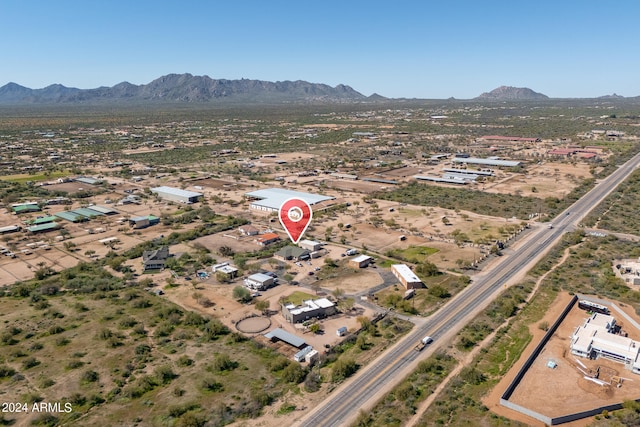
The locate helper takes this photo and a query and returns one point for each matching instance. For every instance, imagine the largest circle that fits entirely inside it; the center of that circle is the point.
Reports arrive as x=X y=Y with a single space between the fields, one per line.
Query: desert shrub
x=210 y=384
x=89 y=376
x=223 y=362
x=30 y=363
x=184 y=361
x=164 y=374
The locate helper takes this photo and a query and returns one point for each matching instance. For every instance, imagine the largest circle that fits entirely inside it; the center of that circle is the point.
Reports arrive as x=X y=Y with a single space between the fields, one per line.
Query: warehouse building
x=177 y=194
x=270 y=199
x=407 y=277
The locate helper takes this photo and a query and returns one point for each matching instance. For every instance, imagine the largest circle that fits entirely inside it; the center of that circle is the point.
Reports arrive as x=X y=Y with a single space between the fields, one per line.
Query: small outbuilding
x=361 y=261
x=143 y=221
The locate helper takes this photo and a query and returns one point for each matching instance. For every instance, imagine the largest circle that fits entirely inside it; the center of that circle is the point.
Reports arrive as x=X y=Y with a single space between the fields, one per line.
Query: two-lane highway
x=367 y=386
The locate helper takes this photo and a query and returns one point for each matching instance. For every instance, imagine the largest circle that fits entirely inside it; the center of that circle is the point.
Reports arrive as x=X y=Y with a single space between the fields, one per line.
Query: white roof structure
x=273 y=198
x=176 y=191
x=310 y=305
x=361 y=258
x=406 y=273
x=260 y=278
x=490 y=162
x=593 y=337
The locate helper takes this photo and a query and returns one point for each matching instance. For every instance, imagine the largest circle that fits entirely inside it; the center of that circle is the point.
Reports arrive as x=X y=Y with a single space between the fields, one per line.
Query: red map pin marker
x=295 y=217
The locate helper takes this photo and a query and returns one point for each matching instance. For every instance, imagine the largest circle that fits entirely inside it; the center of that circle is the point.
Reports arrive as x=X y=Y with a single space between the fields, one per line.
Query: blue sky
x=412 y=49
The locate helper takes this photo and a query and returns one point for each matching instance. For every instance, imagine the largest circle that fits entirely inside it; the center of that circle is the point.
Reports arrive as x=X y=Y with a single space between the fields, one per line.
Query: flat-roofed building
x=318 y=308
x=406 y=276
x=486 y=162
x=595 y=339
x=177 y=194
x=361 y=261
x=310 y=245
x=259 y=282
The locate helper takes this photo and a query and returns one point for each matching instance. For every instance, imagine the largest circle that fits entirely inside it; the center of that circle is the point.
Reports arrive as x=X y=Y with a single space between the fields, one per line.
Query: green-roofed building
x=43 y=220
x=49 y=226
x=20 y=209
x=89 y=213
x=71 y=216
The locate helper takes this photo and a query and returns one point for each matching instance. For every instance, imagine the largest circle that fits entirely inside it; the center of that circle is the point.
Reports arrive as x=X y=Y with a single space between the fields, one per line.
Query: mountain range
x=193 y=89
x=183 y=88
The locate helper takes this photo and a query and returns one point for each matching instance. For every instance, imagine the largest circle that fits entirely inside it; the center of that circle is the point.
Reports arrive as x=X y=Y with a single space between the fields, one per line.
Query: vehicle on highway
x=423 y=343
x=550 y=226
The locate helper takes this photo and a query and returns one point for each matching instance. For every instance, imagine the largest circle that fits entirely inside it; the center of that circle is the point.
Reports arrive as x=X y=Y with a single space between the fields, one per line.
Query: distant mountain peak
x=612 y=96
x=507 y=93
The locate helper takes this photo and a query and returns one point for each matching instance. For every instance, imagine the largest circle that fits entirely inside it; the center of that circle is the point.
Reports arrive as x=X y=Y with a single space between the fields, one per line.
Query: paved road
x=369 y=384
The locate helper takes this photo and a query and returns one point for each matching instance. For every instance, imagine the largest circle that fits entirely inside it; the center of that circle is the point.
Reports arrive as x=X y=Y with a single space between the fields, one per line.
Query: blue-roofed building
x=270 y=199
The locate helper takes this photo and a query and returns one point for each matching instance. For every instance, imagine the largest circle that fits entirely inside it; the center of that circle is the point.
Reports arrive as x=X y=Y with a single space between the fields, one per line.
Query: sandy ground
x=549 y=180
x=551 y=392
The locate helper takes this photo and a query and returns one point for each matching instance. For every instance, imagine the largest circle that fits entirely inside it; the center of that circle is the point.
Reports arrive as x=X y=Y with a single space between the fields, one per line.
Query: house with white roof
x=318 y=308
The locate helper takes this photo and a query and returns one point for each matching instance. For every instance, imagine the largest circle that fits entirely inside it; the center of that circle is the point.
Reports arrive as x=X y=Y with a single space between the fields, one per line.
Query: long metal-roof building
x=487 y=162
x=177 y=194
x=270 y=199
